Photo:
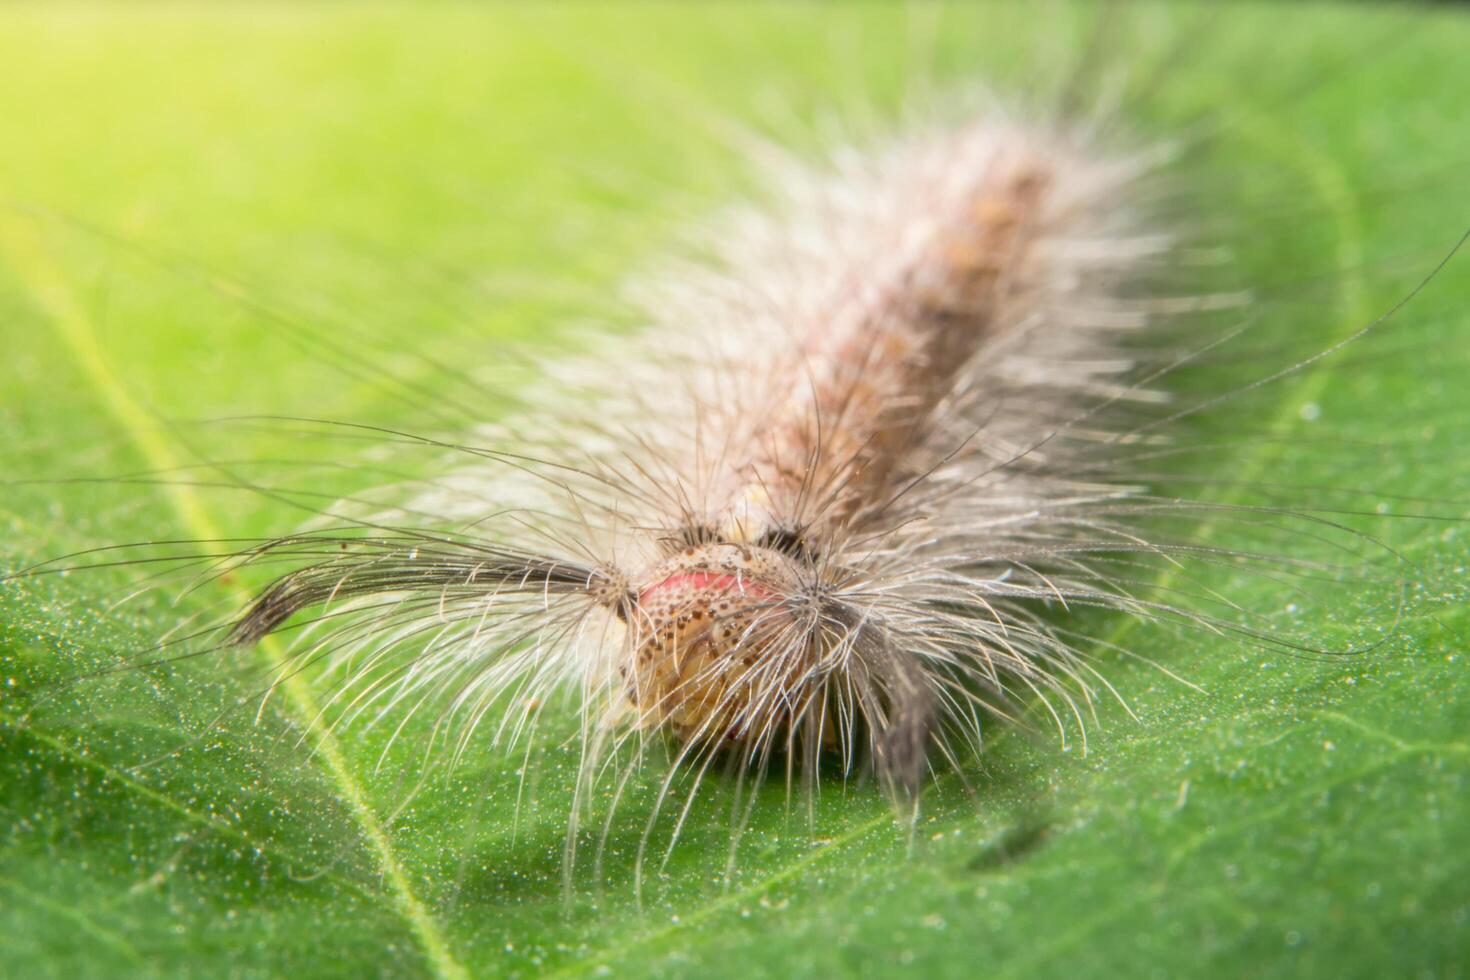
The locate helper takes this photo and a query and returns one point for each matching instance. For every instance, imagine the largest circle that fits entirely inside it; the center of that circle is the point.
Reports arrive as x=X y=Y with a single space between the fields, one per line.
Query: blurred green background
x=241 y=209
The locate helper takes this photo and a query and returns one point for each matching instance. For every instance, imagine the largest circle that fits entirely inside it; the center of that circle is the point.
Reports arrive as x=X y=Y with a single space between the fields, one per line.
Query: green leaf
x=243 y=210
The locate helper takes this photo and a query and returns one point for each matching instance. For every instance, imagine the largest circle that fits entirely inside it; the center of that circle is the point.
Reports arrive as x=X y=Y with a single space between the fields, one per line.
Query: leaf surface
x=325 y=212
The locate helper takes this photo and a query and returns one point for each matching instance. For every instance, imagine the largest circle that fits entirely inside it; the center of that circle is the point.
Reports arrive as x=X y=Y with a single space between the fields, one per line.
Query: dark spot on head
x=787 y=540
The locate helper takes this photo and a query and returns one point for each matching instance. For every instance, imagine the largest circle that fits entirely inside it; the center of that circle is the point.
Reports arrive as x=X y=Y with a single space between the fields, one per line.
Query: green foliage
x=188 y=188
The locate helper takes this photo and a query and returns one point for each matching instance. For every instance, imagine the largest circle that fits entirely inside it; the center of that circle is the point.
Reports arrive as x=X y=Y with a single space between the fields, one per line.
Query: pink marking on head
x=707 y=582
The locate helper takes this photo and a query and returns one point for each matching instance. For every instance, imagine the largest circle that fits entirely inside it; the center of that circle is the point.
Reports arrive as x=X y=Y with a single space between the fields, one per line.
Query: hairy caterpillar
x=933 y=567
x=817 y=491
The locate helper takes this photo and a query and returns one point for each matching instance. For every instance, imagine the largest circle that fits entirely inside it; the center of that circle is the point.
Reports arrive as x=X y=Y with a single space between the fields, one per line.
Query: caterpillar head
x=745 y=646
x=720 y=643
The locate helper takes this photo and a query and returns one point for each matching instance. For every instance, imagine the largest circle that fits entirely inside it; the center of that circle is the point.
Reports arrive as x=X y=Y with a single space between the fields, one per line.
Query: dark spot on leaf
x=1010 y=846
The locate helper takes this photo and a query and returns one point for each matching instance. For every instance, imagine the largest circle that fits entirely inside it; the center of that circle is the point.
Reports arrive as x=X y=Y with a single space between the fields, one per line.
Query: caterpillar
x=810 y=525
x=890 y=451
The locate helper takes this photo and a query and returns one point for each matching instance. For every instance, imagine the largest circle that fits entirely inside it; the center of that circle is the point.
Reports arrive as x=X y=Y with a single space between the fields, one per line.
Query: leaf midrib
x=34 y=267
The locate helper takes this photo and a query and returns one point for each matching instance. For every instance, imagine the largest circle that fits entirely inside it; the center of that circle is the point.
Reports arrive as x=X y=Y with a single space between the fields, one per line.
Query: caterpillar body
x=832 y=471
